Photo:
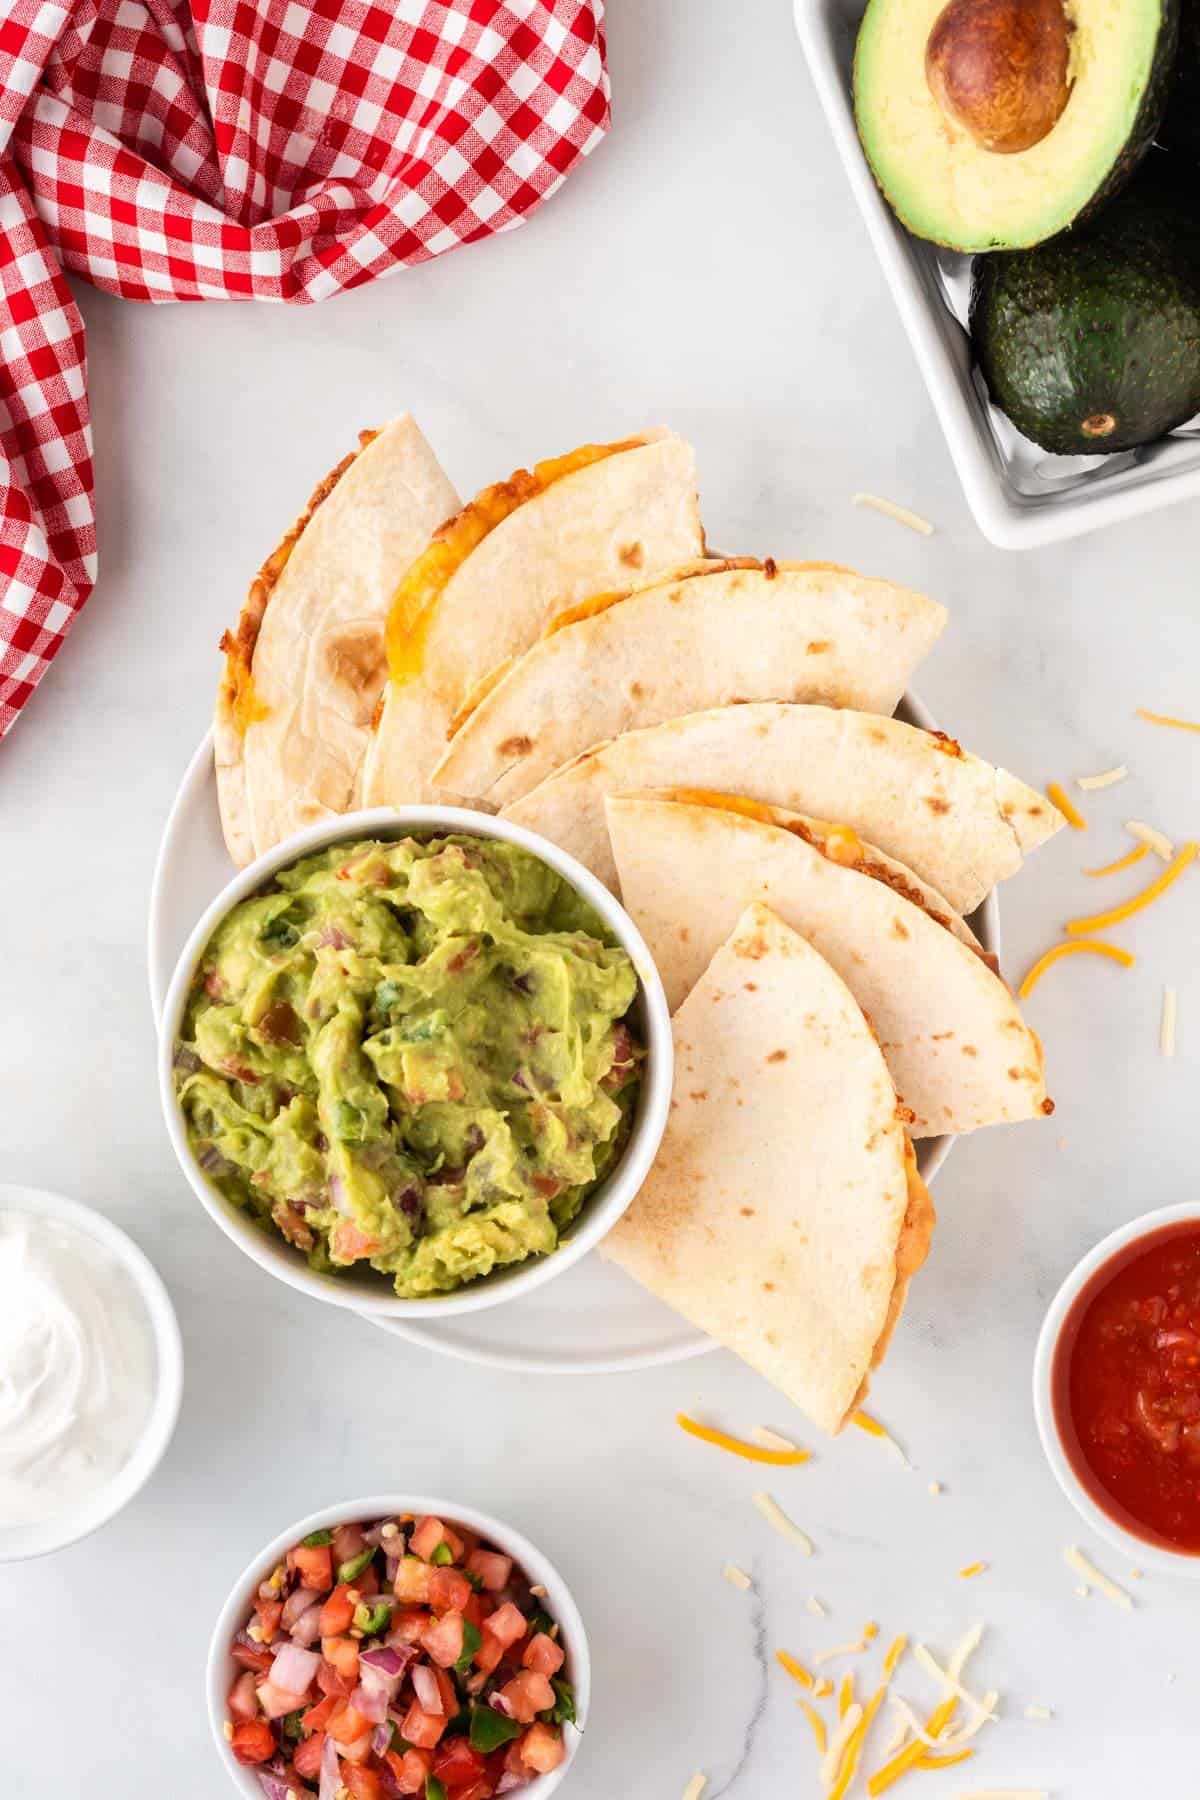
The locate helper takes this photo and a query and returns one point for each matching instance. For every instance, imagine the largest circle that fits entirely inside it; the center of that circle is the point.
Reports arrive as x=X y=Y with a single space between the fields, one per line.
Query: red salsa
x=1127 y=1387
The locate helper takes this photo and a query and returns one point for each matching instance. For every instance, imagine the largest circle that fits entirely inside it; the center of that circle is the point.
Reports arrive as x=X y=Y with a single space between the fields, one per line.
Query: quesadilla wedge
x=958 y=822
x=784 y=1214
x=959 y=1052
x=305 y=665
x=704 y=636
x=492 y=578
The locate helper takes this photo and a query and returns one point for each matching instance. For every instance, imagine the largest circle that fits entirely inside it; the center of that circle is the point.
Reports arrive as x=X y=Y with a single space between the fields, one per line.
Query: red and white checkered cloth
x=239 y=149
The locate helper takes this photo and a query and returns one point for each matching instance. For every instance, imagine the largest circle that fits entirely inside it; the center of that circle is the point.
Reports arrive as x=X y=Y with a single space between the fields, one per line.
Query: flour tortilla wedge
x=784 y=1214
x=705 y=637
x=518 y=555
x=956 y=821
x=959 y=1053
x=305 y=665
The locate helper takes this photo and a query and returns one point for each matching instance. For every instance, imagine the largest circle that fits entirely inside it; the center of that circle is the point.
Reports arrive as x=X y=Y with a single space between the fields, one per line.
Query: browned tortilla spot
x=777 y=1056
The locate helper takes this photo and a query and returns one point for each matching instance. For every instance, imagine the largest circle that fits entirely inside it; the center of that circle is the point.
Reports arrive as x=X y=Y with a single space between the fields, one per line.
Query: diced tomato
x=253 y=1741
x=314 y=1565
x=243 y=1701
x=330 y=1682
x=410 y=1771
x=478 y=1790
x=337 y=1614
x=346 y=1725
x=366 y=1585
x=408 y=1625
x=492 y=1569
x=542 y=1748
x=430 y=1532
x=446 y=1688
x=276 y=1701
x=363 y=1784
x=307 y=1759
x=342 y=1652
x=348 y=1244
x=317 y=1717
x=250 y=1656
x=442 y=1640
x=412 y=1579
x=472 y=1608
x=449 y=1590
x=423 y=1729
x=508 y=1623
x=456 y=1762
x=454 y=1543
x=490 y=1653
x=357 y=1752
x=348 y=1541
x=267 y=1618
x=527 y=1694
x=544 y=1655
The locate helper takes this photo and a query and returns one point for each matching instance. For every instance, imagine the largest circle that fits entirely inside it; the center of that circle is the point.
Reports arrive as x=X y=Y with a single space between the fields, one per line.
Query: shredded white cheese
x=1038 y=1712
x=1166 y=1030
x=853 y=1649
x=897 y=1737
x=890 y=510
x=935 y=1488
x=736 y=1577
x=816 y=1607
x=695 y=1787
x=771 y=1440
x=950 y=1682
x=831 y=1762
x=952 y=1740
x=965 y=1648
x=911 y=1723
x=1146 y=834
x=1135 y=1574
x=1075 y=1559
x=1109 y=778
x=1084 y=1593
x=774 y=1514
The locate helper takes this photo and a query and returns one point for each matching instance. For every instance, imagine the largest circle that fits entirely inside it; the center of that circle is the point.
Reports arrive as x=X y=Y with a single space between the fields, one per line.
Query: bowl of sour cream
x=91 y=1371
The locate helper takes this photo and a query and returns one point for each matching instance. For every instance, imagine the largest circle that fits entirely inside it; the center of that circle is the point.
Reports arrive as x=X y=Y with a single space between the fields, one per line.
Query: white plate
x=592 y=1320
x=1020 y=495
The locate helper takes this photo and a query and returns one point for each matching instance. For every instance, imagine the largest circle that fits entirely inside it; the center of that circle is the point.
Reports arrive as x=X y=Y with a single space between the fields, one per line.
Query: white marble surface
x=706 y=269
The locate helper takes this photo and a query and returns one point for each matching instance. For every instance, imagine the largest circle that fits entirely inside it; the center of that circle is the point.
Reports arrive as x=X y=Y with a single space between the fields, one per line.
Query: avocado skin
x=1103 y=321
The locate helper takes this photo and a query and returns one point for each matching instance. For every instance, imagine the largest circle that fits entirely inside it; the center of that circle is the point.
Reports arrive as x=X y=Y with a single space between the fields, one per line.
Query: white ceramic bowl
x=559 y=1604
x=1020 y=495
x=57 y=1530
x=1143 y=1552
x=366 y=1291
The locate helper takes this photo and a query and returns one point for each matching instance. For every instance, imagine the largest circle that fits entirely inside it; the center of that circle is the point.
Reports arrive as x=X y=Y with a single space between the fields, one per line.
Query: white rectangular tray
x=1020 y=495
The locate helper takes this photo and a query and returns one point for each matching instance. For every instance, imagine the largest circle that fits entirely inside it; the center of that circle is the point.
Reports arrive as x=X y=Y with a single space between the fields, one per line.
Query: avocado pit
x=1000 y=69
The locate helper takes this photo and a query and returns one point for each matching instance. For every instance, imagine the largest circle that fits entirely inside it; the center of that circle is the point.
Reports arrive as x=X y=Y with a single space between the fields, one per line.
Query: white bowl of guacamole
x=415 y=1061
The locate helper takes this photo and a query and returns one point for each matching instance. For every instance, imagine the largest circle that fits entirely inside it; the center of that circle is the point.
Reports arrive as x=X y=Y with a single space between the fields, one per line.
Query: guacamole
x=415 y=1054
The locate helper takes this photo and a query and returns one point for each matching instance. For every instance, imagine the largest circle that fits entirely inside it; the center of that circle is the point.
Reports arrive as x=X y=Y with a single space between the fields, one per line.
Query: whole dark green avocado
x=1091 y=343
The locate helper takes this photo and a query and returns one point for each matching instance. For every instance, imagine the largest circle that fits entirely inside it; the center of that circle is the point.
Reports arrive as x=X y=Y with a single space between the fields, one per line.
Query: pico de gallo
x=1127 y=1387
x=402 y=1657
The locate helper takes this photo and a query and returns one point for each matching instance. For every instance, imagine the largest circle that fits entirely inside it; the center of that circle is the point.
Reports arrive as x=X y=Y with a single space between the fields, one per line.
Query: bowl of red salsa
x=394 y=1647
x=1117 y=1389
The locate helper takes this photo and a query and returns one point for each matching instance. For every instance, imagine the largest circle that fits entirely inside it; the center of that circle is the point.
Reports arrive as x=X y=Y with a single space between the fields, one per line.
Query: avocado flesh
x=1103 y=325
x=943 y=186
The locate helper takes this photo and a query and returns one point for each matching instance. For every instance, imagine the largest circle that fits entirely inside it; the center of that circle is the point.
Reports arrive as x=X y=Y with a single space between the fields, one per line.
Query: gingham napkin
x=239 y=149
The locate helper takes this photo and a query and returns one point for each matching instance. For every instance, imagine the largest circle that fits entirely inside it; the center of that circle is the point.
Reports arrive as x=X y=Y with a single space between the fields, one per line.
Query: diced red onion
x=307 y=1628
x=333 y=938
x=331 y=1776
x=294 y=1669
x=499 y=1704
x=381 y=1738
x=295 y=1604
x=388 y=1663
x=371 y=1700
x=185 y=1058
x=508 y=1781
x=337 y=1195
x=393 y=1563
x=425 y=1687
x=276 y=1787
x=211 y=1161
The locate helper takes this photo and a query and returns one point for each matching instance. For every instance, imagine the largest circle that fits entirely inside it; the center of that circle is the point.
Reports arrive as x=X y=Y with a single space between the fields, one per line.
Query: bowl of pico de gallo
x=396 y=1646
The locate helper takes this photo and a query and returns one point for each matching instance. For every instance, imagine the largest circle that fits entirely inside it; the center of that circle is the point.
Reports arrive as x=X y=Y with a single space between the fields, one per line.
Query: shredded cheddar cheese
x=1154 y=840
x=1102 y=921
x=890 y=510
x=896 y=1650
x=1056 y=793
x=818 y=1725
x=738 y=1447
x=1083 y=1566
x=1072 y=947
x=1123 y=862
x=1166 y=1030
x=831 y=1762
x=736 y=1577
x=944 y=1762
x=1109 y=778
x=972 y=1569
x=908 y=1758
x=873 y=1428
x=846 y=1694
x=854 y=1744
x=794 y=1668
x=1167 y=719
x=951 y=1683
x=774 y=1514
x=823 y=1689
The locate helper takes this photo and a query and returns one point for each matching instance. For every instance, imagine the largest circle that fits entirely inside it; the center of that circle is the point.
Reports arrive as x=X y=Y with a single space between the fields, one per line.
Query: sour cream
x=77 y=1367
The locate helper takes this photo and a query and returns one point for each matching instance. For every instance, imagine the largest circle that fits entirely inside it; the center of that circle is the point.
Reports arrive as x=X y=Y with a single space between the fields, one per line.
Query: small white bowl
x=539 y=1569
x=1144 y=1551
x=19 y=1543
x=367 y=1291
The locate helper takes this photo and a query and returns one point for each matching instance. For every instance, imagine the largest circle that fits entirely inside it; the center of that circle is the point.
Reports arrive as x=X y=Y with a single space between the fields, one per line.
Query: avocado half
x=996 y=124
x=1092 y=344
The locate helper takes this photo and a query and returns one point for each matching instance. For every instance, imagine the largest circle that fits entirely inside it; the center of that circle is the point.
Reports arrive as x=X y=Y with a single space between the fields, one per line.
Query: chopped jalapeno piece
x=471 y=1642
x=442 y=1555
x=354 y=1565
x=490 y=1729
